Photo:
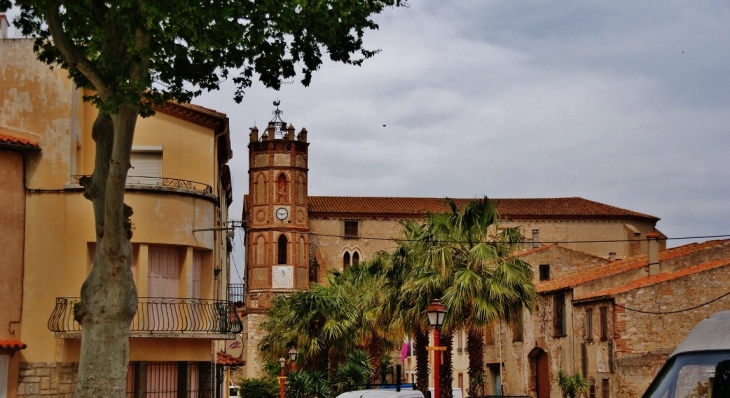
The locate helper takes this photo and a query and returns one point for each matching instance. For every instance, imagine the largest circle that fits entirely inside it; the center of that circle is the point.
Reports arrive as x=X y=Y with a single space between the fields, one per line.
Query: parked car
x=382 y=393
x=700 y=366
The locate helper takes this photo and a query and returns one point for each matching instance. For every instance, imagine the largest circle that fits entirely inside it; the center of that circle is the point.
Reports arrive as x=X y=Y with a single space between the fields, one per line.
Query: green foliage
x=304 y=384
x=354 y=373
x=145 y=51
x=266 y=387
x=571 y=386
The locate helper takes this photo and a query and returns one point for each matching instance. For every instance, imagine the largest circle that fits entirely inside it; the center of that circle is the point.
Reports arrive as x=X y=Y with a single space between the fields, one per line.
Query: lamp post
x=282 y=362
x=293 y=357
x=436 y=313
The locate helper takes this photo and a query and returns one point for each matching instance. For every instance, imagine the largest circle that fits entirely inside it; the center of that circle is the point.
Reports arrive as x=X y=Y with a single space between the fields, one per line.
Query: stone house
x=180 y=190
x=614 y=322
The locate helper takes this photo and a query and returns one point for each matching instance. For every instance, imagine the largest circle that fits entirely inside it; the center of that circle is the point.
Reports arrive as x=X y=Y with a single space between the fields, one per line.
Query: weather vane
x=279 y=124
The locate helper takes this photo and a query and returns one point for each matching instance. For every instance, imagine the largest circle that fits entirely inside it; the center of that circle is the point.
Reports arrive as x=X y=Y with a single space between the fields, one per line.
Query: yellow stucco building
x=180 y=190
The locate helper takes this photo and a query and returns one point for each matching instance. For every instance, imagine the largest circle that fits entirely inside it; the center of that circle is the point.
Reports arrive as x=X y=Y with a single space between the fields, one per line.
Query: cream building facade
x=180 y=190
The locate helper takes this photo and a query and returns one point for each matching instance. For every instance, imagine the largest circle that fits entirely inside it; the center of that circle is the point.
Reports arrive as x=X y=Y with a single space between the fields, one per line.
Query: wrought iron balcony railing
x=236 y=294
x=163 y=316
x=164 y=182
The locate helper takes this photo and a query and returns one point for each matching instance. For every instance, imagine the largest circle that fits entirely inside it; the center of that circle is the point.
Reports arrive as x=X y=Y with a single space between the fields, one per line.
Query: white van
x=700 y=366
x=455 y=392
x=382 y=393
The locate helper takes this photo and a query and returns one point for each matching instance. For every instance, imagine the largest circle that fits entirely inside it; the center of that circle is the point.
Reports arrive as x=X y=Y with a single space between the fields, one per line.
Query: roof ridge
x=633 y=262
x=658 y=278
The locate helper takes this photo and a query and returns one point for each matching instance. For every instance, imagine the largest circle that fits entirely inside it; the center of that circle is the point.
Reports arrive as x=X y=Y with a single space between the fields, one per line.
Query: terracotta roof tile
x=226 y=359
x=535 y=250
x=619 y=266
x=12 y=344
x=22 y=143
x=654 y=279
x=521 y=208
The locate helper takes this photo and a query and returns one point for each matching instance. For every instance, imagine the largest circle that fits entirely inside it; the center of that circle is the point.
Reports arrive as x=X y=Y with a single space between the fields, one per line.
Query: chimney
x=4 y=25
x=611 y=256
x=270 y=131
x=254 y=136
x=654 y=267
x=290 y=132
x=535 y=238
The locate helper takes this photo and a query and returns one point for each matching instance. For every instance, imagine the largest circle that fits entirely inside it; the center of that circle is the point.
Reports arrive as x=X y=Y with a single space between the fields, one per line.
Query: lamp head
x=436 y=313
x=293 y=354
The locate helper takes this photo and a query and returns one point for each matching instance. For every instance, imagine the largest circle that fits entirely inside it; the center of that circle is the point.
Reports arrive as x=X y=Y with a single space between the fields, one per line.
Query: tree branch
x=74 y=58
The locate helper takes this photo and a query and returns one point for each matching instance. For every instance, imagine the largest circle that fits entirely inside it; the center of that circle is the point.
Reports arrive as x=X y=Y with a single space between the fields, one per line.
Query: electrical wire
x=240 y=225
x=672 y=312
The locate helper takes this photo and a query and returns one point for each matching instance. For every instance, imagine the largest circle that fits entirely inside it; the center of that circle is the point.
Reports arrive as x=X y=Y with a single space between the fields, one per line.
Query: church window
x=355 y=258
x=281 y=195
x=282 y=249
x=260 y=250
x=346 y=261
x=260 y=189
x=351 y=230
x=300 y=190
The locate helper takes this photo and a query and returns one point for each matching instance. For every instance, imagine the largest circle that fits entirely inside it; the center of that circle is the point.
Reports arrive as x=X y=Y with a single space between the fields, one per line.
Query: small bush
x=266 y=387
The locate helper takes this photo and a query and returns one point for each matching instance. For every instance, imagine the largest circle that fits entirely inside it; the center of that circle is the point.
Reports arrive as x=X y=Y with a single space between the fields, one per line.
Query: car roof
x=381 y=393
x=710 y=334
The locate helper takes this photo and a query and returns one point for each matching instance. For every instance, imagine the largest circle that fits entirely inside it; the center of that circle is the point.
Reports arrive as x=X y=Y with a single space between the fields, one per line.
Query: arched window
x=281 y=193
x=346 y=261
x=282 y=249
x=355 y=258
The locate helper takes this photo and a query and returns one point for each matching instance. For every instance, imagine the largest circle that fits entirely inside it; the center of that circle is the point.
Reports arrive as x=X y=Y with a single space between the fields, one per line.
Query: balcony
x=236 y=294
x=164 y=184
x=161 y=317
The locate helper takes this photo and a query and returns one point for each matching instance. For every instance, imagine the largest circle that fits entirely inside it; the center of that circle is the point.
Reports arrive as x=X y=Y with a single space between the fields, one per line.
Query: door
x=542 y=373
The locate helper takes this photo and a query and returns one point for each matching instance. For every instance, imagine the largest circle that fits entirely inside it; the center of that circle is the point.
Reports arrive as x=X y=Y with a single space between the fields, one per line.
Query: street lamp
x=282 y=362
x=436 y=313
x=293 y=357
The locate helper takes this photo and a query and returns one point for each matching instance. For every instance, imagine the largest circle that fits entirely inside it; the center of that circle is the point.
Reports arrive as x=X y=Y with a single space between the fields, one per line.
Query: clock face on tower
x=282 y=213
x=281 y=276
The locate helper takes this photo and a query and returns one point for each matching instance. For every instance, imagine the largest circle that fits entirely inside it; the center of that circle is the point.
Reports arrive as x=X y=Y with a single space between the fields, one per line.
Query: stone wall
x=644 y=341
x=39 y=379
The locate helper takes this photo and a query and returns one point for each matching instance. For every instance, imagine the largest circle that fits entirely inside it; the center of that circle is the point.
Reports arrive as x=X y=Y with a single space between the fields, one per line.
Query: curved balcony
x=161 y=317
x=164 y=184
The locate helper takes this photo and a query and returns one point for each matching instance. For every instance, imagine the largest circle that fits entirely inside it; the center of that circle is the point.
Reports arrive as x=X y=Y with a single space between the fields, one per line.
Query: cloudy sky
x=625 y=103
x=621 y=102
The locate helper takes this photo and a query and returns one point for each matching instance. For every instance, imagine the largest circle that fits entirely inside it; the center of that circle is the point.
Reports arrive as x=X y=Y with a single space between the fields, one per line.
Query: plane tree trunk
x=108 y=296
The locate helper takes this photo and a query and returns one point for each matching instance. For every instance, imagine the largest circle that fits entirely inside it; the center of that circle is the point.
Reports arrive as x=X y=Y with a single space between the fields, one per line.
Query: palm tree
x=571 y=386
x=403 y=309
x=319 y=322
x=468 y=259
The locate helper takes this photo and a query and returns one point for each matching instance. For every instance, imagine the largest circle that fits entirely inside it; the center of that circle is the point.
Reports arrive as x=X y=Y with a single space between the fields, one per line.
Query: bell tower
x=276 y=223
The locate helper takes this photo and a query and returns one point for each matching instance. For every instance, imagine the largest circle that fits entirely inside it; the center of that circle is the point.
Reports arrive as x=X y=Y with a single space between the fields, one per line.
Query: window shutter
x=146 y=167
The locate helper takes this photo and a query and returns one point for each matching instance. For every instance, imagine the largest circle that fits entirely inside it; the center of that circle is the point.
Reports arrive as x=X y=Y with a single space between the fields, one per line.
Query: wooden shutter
x=164 y=272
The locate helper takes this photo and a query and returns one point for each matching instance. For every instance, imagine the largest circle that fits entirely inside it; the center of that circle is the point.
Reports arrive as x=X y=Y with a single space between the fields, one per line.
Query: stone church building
x=292 y=238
